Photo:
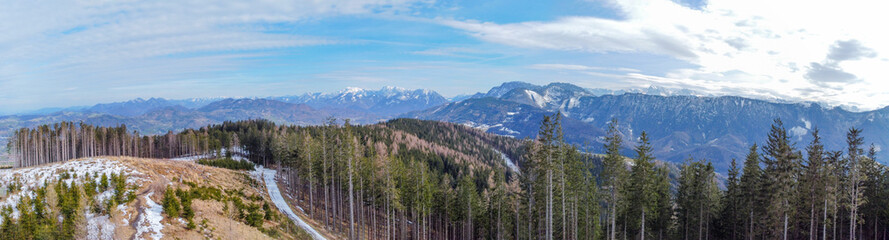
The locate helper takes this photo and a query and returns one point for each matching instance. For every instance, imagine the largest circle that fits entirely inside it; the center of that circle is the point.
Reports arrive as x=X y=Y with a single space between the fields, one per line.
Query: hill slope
x=214 y=193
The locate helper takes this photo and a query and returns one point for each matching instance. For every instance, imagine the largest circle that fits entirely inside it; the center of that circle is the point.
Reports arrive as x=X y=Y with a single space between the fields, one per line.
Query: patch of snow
x=100 y=198
x=509 y=163
x=573 y=102
x=807 y=123
x=507 y=130
x=150 y=219
x=511 y=113
x=190 y=158
x=539 y=100
x=481 y=126
x=34 y=177
x=268 y=176
x=236 y=155
x=123 y=209
x=352 y=90
x=98 y=227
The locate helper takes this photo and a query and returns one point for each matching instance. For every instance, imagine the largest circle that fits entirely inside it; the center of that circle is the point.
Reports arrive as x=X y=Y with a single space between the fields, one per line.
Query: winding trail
x=268 y=176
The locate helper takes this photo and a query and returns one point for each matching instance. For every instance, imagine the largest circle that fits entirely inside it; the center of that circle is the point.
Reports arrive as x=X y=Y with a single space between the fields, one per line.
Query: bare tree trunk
x=812 y=220
x=351 y=201
x=785 y=226
x=613 y=213
x=824 y=226
x=643 y=223
x=549 y=199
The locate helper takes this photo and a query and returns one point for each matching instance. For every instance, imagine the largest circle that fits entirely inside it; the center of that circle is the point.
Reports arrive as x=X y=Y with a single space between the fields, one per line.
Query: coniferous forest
x=412 y=179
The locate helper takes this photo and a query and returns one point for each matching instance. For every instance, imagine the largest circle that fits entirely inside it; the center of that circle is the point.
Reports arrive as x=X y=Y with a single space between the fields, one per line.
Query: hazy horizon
x=82 y=53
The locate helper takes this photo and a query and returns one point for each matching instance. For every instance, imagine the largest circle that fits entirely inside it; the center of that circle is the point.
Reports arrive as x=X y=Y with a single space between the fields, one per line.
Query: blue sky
x=71 y=53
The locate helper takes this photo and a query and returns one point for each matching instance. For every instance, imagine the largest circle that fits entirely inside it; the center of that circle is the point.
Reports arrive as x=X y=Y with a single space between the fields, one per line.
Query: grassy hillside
x=132 y=201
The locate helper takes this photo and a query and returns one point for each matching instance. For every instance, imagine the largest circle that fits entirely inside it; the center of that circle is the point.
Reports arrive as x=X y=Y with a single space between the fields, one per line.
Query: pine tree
x=613 y=174
x=640 y=189
x=662 y=216
x=872 y=202
x=171 y=203
x=782 y=164
x=732 y=217
x=696 y=199
x=853 y=184
x=350 y=152
x=811 y=190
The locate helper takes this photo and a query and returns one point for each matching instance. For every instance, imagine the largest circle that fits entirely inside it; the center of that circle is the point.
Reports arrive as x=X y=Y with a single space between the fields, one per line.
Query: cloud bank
x=795 y=50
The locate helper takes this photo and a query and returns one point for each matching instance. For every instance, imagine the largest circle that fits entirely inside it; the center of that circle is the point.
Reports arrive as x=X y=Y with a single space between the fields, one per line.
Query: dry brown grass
x=157 y=174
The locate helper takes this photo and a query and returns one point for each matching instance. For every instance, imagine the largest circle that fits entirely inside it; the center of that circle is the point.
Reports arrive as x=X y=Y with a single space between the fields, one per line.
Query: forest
x=412 y=179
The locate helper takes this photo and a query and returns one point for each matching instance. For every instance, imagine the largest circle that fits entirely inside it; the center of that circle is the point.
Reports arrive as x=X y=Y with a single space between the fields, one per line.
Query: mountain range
x=682 y=124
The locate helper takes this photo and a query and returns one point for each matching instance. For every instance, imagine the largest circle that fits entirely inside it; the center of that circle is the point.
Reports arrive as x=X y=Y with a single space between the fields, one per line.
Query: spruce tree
x=782 y=163
x=640 y=190
x=662 y=216
x=856 y=170
x=731 y=218
x=170 y=203
x=613 y=174
x=811 y=191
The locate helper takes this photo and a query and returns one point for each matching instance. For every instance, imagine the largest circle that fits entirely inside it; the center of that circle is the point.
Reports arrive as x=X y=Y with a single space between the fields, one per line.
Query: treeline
x=227 y=163
x=68 y=140
x=411 y=179
x=781 y=192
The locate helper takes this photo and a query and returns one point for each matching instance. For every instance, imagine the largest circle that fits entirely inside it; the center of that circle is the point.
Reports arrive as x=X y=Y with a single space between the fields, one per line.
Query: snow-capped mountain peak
x=387 y=101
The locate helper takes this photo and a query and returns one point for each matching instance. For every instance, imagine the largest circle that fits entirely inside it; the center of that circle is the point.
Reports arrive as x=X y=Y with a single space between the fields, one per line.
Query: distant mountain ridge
x=681 y=123
x=557 y=87
x=680 y=126
x=158 y=115
x=386 y=102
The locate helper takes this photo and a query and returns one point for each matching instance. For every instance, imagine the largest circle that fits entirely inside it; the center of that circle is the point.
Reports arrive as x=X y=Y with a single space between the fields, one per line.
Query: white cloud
x=63 y=44
x=755 y=48
x=554 y=66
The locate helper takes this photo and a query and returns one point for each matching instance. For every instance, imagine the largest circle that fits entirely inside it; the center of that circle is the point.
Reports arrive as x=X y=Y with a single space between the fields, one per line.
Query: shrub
x=228 y=163
x=269 y=214
x=170 y=203
x=104 y=183
x=253 y=218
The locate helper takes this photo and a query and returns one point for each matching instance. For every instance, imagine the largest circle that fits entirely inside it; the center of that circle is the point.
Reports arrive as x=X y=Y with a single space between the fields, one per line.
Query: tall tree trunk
x=613 y=213
x=351 y=203
x=785 y=226
x=824 y=225
x=549 y=199
x=643 y=223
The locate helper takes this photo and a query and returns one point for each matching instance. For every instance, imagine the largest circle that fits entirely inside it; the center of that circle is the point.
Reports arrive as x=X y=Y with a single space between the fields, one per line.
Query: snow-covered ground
x=33 y=177
x=98 y=226
x=235 y=156
x=509 y=163
x=268 y=176
x=150 y=220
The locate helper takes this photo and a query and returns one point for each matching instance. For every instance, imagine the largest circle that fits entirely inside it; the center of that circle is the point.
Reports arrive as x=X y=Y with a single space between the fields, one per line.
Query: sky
x=83 y=52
